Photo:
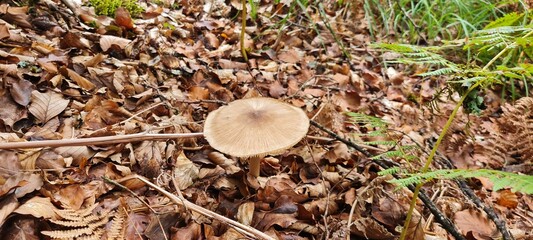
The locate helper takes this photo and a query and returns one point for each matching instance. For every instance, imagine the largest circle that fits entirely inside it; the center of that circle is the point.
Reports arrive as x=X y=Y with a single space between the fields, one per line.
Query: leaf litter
x=72 y=74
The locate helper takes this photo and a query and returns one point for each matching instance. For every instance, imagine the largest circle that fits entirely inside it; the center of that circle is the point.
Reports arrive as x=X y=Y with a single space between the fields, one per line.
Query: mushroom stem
x=255 y=166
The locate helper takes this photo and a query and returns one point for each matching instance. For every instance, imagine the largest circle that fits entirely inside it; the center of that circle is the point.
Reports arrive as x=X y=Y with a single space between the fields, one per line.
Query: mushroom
x=255 y=127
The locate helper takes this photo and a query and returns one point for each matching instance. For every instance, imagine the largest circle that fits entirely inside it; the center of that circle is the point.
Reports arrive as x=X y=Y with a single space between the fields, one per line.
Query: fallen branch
x=247 y=230
x=137 y=137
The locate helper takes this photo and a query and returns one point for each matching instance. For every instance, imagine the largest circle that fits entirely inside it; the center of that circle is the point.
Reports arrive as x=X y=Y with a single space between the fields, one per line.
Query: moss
x=108 y=7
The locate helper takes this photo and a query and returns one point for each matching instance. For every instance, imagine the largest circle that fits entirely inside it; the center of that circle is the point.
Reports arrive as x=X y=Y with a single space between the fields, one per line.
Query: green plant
x=518 y=183
x=108 y=7
x=502 y=48
x=424 y=21
x=377 y=133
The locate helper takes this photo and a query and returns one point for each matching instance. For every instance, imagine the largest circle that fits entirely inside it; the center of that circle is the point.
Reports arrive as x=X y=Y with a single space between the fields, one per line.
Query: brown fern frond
x=75 y=215
x=115 y=231
x=512 y=143
x=79 y=224
x=97 y=235
x=72 y=233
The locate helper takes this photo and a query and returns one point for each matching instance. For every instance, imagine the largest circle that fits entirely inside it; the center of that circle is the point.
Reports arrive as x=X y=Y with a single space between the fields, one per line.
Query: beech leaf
x=47 y=105
x=38 y=207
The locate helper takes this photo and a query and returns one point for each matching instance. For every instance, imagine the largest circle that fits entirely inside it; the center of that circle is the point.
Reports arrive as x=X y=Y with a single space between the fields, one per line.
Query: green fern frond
x=438 y=72
x=389 y=154
x=383 y=143
x=507 y=20
x=390 y=171
x=500 y=179
x=366 y=119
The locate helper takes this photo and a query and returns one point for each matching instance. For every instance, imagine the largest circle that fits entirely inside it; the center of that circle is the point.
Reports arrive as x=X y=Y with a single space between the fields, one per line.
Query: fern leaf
x=507 y=20
x=520 y=183
x=389 y=171
x=68 y=233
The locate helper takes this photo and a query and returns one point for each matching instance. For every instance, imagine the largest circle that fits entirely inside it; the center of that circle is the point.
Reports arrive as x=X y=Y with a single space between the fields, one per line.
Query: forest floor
x=68 y=73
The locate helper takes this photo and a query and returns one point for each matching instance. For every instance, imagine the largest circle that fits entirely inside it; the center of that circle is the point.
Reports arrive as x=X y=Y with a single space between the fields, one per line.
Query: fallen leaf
x=107 y=41
x=473 y=222
x=507 y=199
x=7 y=206
x=21 y=91
x=80 y=80
x=193 y=230
x=185 y=172
x=123 y=18
x=70 y=196
x=39 y=207
x=10 y=112
x=22 y=184
x=47 y=105
x=245 y=213
x=10 y=165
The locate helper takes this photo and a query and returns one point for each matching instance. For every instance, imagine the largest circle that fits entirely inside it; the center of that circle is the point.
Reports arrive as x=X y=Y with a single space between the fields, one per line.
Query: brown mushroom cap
x=255 y=127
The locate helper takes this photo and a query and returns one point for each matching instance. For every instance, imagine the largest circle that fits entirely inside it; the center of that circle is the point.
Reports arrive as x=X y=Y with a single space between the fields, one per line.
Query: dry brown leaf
x=185 y=172
x=268 y=220
x=70 y=196
x=39 y=207
x=81 y=81
x=149 y=157
x=192 y=231
x=21 y=92
x=9 y=69
x=4 y=31
x=10 y=112
x=231 y=234
x=475 y=223
x=123 y=18
x=370 y=229
x=28 y=159
x=225 y=75
x=73 y=40
x=245 y=214
x=23 y=183
x=107 y=41
x=47 y=105
x=507 y=198
x=7 y=206
x=10 y=165
x=78 y=153
x=291 y=56
x=198 y=93
x=15 y=15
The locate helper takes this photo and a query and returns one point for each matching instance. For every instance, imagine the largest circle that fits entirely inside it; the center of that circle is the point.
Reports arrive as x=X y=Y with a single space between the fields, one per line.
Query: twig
x=127 y=138
x=98 y=140
x=249 y=231
x=385 y=163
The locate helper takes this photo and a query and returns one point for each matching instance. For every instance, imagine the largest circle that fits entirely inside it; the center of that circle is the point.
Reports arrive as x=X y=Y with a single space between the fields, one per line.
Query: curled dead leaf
x=107 y=41
x=185 y=172
x=245 y=213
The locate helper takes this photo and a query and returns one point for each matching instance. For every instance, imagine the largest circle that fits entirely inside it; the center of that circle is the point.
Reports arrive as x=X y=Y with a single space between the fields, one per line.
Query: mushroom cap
x=255 y=127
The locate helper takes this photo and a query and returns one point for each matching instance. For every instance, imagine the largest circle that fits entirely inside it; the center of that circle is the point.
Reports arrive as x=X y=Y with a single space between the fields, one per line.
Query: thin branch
x=249 y=231
x=127 y=138
x=137 y=137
